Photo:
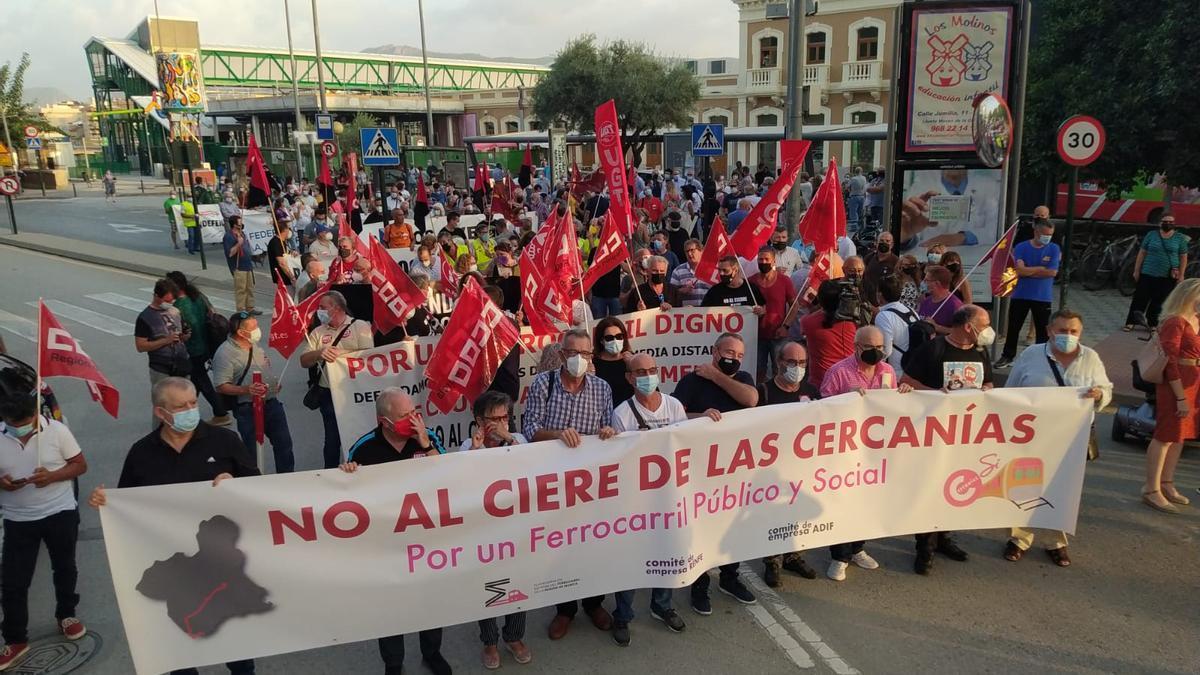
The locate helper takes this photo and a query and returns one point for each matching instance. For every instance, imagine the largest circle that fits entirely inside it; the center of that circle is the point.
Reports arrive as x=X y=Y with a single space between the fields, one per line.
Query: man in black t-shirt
x=958 y=360
x=653 y=293
x=734 y=290
x=723 y=385
x=401 y=434
x=277 y=257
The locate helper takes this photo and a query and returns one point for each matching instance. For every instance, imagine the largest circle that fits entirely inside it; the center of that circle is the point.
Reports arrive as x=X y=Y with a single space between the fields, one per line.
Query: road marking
x=18 y=325
x=119 y=300
x=101 y=322
x=788 y=630
x=218 y=303
x=127 y=228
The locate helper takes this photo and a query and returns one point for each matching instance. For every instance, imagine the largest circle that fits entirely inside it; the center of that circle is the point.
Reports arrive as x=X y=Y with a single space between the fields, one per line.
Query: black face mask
x=656 y=278
x=726 y=278
x=954 y=267
x=883 y=248
x=765 y=268
x=871 y=356
x=1167 y=227
x=729 y=366
x=779 y=245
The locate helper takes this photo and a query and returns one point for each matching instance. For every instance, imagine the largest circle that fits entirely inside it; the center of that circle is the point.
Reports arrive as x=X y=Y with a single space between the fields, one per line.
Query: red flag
x=1003 y=276
x=755 y=230
x=256 y=169
x=422 y=196
x=826 y=265
x=541 y=297
x=287 y=327
x=324 y=177
x=308 y=306
x=480 y=180
x=502 y=199
x=60 y=355
x=350 y=162
x=610 y=252
x=612 y=163
x=820 y=222
x=344 y=230
x=395 y=295
x=449 y=276
x=469 y=353
x=717 y=247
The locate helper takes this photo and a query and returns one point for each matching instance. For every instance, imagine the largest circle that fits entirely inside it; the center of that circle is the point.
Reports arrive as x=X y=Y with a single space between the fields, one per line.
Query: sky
x=54 y=31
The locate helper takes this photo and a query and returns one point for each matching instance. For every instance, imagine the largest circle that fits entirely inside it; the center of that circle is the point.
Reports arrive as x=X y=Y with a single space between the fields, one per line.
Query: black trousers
x=701 y=584
x=391 y=649
x=235 y=668
x=1148 y=298
x=22 y=541
x=927 y=542
x=844 y=552
x=570 y=609
x=199 y=377
x=1017 y=310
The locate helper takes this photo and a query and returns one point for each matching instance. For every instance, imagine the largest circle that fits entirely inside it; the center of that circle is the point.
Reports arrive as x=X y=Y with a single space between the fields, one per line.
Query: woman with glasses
x=611 y=345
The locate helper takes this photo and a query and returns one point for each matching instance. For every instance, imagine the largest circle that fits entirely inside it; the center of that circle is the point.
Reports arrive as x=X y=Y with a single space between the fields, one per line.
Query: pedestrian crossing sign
x=380 y=146
x=708 y=140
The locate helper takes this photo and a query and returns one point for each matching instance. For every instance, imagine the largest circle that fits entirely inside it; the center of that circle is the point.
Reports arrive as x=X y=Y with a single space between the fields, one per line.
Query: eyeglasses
x=575 y=352
x=642 y=372
x=612 y=337
x=793 y=362
x=498 y=419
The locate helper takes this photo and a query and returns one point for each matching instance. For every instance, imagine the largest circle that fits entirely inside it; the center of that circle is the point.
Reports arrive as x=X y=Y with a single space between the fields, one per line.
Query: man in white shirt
x=648 y=409
x=893 y=320
x=1061 y=362
x=787 y=259
x=38 y=460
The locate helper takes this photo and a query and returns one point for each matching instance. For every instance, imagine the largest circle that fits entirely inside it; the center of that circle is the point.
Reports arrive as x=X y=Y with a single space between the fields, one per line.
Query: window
x=815 y=43
x=511 y=127
x=716 y=67
x=868 y=43
x=814 y=120
x=863 y=117
x=489 y=128
x=535 y=125
x=862 y=153
x=768 y=52
x=718 y=119
x=691 y=66
x=769 y=120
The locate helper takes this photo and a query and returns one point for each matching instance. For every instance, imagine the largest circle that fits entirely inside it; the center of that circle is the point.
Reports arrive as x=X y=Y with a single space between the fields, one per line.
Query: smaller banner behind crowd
x=680 y=340
x=259 y=226
x=271 y=564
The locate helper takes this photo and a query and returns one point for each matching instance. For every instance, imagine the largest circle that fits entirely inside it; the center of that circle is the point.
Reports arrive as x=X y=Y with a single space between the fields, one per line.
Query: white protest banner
x=679 y=339
x=357 y=379
x=307 y=560
x=259 y=226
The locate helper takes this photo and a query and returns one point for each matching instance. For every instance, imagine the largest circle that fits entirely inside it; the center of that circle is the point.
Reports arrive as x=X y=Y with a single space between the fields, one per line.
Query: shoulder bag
x=312 y=397
x=231 y=400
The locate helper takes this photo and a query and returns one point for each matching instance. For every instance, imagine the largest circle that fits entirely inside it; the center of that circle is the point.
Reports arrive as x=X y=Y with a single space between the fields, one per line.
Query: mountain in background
x=405 y=50
x=40 y=96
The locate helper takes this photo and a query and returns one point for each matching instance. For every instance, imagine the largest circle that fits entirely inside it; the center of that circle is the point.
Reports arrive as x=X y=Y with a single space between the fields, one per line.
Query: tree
x=1133 y=67
x=651 y=93
x=348 y=140
x=17 y=113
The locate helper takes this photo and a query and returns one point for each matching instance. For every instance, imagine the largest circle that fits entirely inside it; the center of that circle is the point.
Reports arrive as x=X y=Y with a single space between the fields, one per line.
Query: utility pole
x=287 y=18
x=793 y=128
x=320 y=62
x=425 y=70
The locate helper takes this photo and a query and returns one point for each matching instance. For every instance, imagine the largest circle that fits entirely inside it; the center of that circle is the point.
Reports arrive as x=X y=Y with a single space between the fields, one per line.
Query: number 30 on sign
x=1080 y=140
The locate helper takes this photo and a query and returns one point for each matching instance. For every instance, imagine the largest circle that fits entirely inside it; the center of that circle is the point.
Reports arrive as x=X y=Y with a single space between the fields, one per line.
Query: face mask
x=883 y=248
x=726 y=278
x=1167 y=227
x=356 y=277
x=934 y=258
x=255 y=335
x=614 y=347
x=657 y=278
x=1066 y=343
x=20 y=431
x=1045 y=238
x=924 y=288
x=986 y=337
x=657 y=245
x=779 y=245
x=646 y=384
x=322 y=316
x=425 y=262
x=765 y=268
x=472 y=268
x=729 y=366
x=185 y=420
x=853 y=277
x=793 y=374
x=871 y=356
x=577 y=366
x=403 y=428
x=954 y=267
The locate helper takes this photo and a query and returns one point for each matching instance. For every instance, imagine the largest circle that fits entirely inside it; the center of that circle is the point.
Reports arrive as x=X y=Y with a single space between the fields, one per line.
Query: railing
x=763 y=78
x=862 y=74
x=816 y=74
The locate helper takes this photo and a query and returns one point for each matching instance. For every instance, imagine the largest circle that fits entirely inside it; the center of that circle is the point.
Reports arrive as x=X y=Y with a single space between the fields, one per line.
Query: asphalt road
x=1128 y=604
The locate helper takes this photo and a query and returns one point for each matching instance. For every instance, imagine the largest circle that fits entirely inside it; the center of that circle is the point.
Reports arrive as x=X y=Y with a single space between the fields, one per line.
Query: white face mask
x=986 y=337
x=323 y=316
x=793 y=374
x=577 y=366
x=614 y=347
x=255 y=335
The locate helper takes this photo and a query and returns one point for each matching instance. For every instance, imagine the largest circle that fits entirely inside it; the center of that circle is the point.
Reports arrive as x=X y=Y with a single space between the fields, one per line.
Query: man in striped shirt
x=685 y=289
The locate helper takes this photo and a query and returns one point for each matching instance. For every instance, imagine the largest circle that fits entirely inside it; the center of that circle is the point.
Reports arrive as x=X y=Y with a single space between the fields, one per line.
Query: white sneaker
x=865 y=561
x=837 y=570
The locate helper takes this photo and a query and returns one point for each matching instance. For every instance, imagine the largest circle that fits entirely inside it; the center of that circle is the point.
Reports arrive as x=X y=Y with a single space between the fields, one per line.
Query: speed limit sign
x=9 y=185
x=328 y=148
x=1080 y=140
x=31 y=131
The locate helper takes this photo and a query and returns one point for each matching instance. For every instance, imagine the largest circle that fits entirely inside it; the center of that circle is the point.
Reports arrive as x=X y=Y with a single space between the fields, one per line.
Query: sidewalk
x=127 y=185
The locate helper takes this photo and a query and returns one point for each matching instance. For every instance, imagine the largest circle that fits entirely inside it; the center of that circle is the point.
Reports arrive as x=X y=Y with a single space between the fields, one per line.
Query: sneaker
x=701 y=604
x=800 y=566
x=220 y=420
x=11 y=653
x=491 y=657
x=620 y=633
x=258 y=312
x=864 y=560
x=72 y=628
x=1001 y=363
x=837 y=570
x=436 y=663
x=771 y=574
x=671 y=618
x=734 y=588
x=923 y=565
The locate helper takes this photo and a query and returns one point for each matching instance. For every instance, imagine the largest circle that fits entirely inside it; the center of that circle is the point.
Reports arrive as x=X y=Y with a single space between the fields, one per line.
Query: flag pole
x=587 y=308
x=38 y=387
x=633 y=278
x=986 y=256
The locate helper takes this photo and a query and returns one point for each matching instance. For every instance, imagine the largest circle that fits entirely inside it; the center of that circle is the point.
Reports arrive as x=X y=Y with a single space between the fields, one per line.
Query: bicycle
x=1113 y=264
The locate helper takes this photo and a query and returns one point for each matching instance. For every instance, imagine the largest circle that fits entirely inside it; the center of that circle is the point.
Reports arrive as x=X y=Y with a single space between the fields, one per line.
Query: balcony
x=861 y=76
x=764 y=80
x=816 y=75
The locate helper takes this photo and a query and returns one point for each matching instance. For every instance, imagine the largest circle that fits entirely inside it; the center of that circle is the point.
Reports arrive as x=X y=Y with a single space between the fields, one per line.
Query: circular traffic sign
x=1080 y=140
x=328 y=148
x=9 y=185
x=31 y=131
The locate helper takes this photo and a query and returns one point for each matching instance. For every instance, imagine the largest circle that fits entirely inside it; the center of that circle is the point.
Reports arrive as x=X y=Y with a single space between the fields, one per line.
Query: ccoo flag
x=60 y=355
x=478 y=337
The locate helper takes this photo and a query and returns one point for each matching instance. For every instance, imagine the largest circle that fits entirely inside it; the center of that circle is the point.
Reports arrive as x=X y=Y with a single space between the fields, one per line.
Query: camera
x=850 y=304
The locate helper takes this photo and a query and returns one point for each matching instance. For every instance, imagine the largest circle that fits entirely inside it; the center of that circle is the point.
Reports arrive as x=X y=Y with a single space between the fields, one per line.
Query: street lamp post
x=287 y=18
x=425 y=69
x=795 y=89
x=320 y=62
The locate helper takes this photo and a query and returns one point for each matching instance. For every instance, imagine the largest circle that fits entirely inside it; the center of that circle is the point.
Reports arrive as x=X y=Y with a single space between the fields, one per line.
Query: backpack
x=919 y=332
x=216 y=328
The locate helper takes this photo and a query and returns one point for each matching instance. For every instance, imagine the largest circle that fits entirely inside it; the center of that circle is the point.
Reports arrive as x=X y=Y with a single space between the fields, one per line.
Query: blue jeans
x=602 y=307
x=275 y=427
x=333 y=439
x=660 y=602
x=193 y=239
x=854 y=207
